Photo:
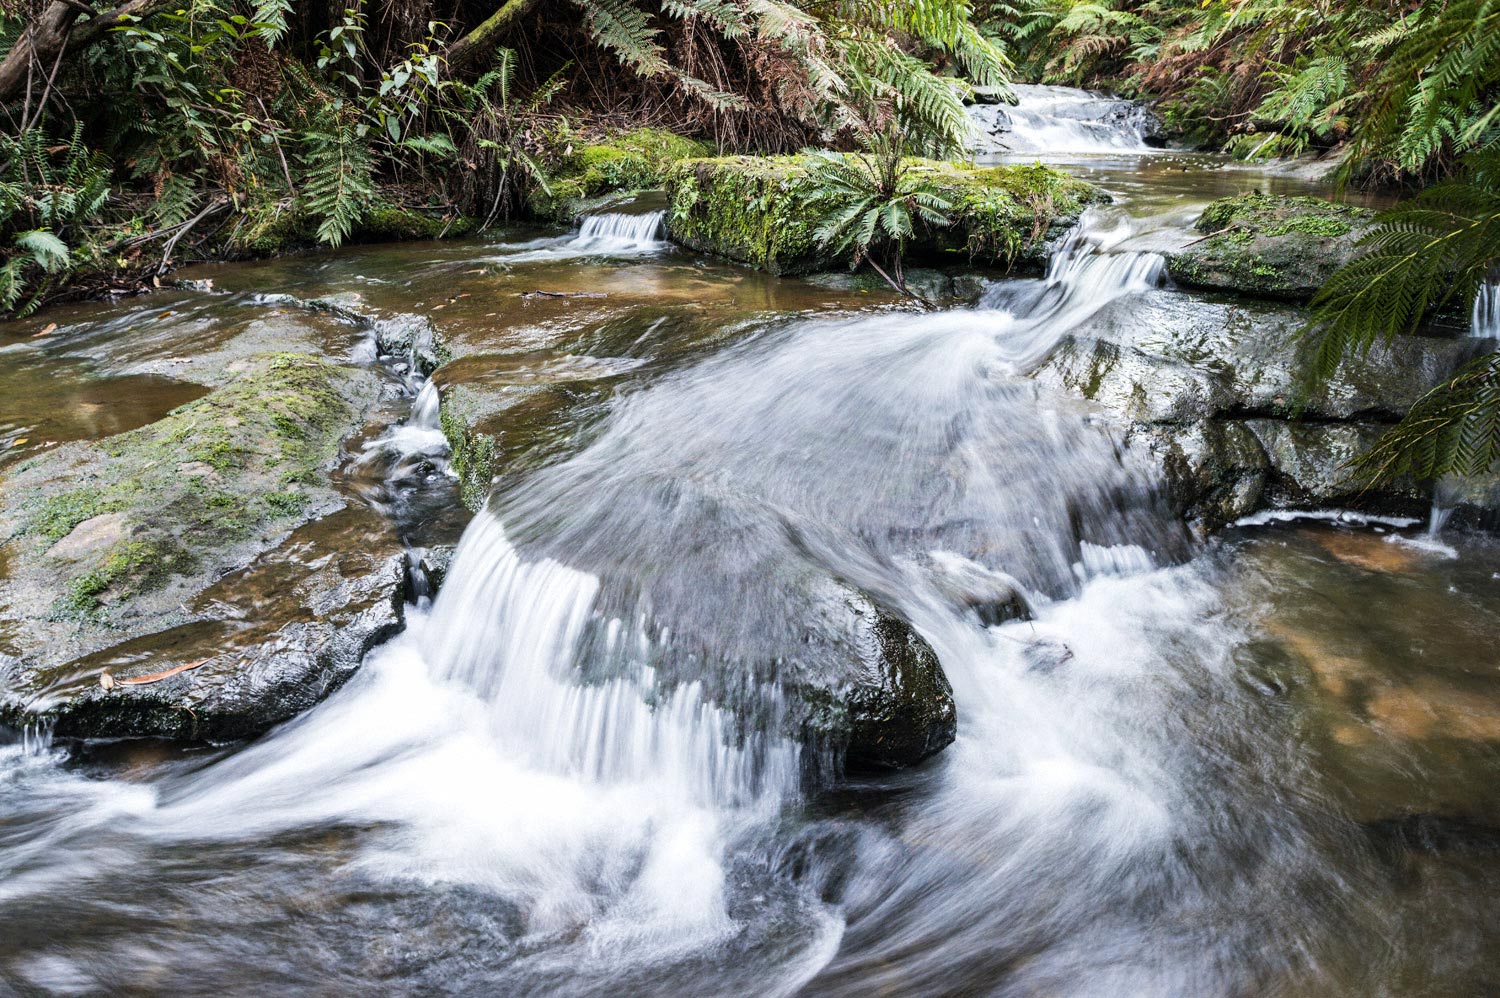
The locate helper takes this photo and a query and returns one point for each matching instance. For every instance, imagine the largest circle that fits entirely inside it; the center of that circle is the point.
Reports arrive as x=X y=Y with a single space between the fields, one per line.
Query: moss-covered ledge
x=1270 y=246
x=610 y=166
x=760 y=210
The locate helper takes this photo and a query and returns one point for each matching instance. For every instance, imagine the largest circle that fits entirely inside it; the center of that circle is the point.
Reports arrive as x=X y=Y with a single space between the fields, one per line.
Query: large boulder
x=1215 y=389
x=1270 y=246
x=762 y=211
x=260 y=646
x=195 y=541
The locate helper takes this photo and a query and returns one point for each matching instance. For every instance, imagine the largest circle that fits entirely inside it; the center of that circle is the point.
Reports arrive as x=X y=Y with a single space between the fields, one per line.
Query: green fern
x=1453 y=430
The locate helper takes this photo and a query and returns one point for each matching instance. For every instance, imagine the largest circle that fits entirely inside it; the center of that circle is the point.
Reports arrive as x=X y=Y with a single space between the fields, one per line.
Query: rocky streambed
x=227 y=564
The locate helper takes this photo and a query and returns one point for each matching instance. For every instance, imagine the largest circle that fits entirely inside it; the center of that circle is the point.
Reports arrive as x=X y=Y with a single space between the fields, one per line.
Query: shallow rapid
x=568 y=775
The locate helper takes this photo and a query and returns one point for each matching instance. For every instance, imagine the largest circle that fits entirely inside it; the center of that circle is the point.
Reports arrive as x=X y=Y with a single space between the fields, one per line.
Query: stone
x=758 y=210
x=1270 y=246
x=260 y=646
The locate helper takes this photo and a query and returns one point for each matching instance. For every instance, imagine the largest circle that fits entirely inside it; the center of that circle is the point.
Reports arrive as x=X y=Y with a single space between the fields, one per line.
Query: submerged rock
x=1270 y=246
x=762 y=211
x=1397 y=719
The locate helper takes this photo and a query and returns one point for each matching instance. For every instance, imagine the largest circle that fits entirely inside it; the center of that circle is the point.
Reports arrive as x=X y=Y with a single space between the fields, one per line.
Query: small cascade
x=619 y=227
x=36 y=737
x=512 y=630
x=1486 y=318
x=1089 y=269
x=1092 y=265
x=1060 y=121
x=610 y=234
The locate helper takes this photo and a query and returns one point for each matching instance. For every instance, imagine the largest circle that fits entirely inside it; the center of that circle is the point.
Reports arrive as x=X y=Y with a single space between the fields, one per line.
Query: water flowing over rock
x=1061 y=120
x=1485 y=321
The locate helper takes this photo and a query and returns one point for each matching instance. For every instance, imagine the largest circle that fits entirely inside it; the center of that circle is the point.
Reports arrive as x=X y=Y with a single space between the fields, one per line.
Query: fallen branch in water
x=561 y=294
x=110 y=682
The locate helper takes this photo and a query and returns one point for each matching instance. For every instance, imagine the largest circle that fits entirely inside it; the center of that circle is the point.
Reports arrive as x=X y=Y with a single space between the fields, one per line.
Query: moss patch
x=208 y=476
x=1268 y=246
x=761 y=210
x=630 y=161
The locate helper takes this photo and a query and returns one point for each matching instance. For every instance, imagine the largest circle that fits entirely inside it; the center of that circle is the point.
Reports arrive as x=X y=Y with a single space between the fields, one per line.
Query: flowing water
x=1253 y=767
x=1486 y=318
x=1058 y=121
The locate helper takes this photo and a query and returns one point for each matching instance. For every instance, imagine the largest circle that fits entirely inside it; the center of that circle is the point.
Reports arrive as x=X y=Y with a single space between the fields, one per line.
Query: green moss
x=761 y=210
x=285 y=503
x=628 y=161
x=56 y=517
x=129 y=567
x=387 y=222
x=473 y=457
x=1274 y=215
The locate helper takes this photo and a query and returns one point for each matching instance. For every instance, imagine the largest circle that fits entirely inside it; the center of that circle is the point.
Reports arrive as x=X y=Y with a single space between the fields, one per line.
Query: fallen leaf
x=106 y=680
x=157 y=677
x=19 y=441
x=48 y=328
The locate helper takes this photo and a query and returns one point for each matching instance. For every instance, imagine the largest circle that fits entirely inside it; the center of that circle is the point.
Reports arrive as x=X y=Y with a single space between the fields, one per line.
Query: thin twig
x=1221 y=232
x=171 y=244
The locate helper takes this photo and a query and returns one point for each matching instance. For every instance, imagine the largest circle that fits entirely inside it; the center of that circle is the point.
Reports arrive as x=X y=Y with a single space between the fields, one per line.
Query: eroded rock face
x=1215 y=389
x=1269 y=246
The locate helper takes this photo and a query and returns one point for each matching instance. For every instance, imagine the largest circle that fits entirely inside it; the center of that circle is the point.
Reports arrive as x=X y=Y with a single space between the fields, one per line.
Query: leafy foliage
x=869 y=204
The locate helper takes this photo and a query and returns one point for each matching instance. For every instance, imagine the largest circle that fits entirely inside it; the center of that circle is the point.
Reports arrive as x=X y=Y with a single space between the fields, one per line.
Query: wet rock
x=755 y=210
x=112 y=544
x=1215 y=389
x=993 y=597
x=260 y=646
x=872 y=688
x=1216 y=470
x=1270 y=246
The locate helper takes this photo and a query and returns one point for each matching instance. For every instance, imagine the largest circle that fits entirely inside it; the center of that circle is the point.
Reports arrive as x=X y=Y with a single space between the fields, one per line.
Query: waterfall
x=512 y=630
x=1059 y=120
x=1486 y=317
x=610 y=234
x=619 y=227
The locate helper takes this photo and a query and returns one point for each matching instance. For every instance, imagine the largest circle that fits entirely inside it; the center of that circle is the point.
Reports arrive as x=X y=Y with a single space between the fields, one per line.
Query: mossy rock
x=619 y=163
x=763 y=211
x=1270 y=246
x=106 y=535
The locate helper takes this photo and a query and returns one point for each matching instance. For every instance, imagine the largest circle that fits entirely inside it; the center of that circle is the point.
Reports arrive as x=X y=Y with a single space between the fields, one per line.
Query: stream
x=1264 y=764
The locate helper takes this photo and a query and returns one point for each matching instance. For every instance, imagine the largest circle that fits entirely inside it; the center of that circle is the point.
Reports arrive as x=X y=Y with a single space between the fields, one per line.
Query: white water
x=1057 y=121
x=612 y=234
x=1486 y=318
